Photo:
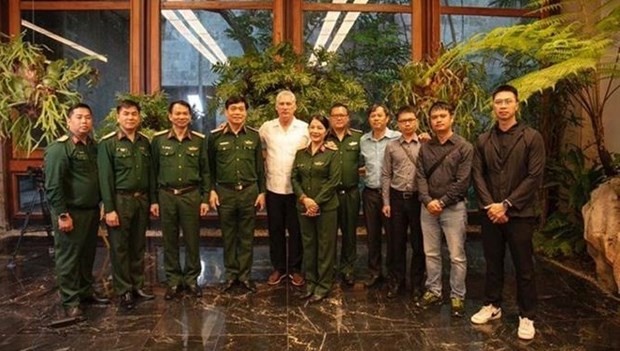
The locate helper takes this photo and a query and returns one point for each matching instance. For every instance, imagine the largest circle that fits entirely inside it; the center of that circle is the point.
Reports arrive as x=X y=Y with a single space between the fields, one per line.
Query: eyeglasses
x=500 y=102
x=408 y=120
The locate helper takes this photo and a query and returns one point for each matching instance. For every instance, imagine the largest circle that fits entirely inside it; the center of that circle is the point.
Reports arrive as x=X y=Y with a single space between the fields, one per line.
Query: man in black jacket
x=508 y=168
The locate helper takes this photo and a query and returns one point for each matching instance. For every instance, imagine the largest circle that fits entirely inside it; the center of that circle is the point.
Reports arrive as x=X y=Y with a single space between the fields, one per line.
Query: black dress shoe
x=96 y=299
x=348 y=279
x=74 y=312
x=227 y=285
x=374 y=280
x=195 y=290
x=306 y=295
x=249 y=285
x=127 y=301
x=393 y=290
x=171 y=292
x=139 y=293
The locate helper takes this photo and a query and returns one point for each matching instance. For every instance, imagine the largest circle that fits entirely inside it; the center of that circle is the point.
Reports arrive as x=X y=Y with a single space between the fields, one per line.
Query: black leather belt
x=406 y=195
x=130 y=193
x=342 y=191
x=372 y=189
x=235 y=187
x=180 y=191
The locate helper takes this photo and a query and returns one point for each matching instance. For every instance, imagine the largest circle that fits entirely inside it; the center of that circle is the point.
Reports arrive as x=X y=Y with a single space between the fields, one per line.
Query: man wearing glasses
x=401 y=204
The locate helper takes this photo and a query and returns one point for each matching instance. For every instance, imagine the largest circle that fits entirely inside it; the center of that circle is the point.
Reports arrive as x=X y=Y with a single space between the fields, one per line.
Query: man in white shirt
x=281 y=138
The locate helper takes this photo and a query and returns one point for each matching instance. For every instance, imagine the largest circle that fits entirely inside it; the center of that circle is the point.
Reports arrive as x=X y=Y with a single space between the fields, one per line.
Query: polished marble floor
x=573 y=315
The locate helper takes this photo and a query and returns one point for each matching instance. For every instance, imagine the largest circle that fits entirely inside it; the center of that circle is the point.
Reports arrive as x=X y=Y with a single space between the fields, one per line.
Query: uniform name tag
x=193 y=148
x=225 y=143
x=319 y=163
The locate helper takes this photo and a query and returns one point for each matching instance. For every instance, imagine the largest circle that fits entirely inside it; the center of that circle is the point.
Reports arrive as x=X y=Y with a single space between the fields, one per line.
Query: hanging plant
x=35 y=93
x=153 y=108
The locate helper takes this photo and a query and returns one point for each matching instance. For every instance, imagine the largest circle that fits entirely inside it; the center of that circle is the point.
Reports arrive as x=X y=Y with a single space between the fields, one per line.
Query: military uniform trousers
x=348 y=213
x=128 y=241
x=180 y=211
x=75 y=254
x=319 y=235
x=237 y=222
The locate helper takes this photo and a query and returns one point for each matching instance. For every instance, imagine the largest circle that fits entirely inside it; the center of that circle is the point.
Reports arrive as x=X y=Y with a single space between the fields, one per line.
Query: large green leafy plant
x=458 y=82
x=260 y=76
x=576 y=44
x=153 y=109
x=35 y=93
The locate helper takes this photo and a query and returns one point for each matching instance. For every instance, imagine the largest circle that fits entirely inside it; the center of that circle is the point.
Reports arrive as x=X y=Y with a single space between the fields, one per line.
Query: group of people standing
x=307 y=175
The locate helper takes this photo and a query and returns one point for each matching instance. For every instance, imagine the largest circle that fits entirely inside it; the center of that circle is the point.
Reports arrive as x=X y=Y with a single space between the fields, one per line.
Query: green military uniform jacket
x=124 y=165
x=71 y=175
x=317 y=177
x=236 y=158
x=349 y=152
x=180 y=164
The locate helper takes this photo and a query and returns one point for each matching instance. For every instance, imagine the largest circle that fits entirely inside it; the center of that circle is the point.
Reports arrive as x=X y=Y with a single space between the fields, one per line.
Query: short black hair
x=179 y=102
x=506 y=87
x=339 y=104
x=324 y=121
x=235 y=99
x=375 y=107
x=79 y=105
x=126 y=103
x=405 y=109
x=441 y=105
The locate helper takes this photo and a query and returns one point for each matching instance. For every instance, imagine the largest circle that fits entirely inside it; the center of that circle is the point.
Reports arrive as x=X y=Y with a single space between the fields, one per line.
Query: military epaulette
x=218 y=129
x=63 y=138
x=165 y=131
x=108 y=136
x=252 y=129
x=200 y=135
x=331 y=145
x=144 y=135
x=356 y=130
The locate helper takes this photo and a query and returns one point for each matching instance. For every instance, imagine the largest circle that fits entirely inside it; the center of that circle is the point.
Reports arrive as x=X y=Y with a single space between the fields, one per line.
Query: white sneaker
x=526 y=329
x=486 y=313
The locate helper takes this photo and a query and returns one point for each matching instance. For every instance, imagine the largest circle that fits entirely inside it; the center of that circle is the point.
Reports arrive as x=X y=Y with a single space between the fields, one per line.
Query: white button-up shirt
x=281 y=146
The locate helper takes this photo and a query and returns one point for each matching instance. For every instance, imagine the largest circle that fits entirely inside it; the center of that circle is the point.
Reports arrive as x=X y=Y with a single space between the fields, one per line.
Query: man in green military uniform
x=181 y=196
x=124 y=159
x=238 y=189
x=73 y=195
x=347 y=142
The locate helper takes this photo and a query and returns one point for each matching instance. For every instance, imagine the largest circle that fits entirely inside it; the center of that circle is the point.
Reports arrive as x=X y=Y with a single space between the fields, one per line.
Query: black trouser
x=282 y=217
x=375 y=221
x=405 y=214
x=517 y=233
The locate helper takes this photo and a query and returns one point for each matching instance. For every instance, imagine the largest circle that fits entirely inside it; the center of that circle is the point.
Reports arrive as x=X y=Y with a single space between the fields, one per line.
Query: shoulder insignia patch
x=144 y=135
x=252 y=129
x=200 y=135
x=165 y=131
x=330 y=145
x=356 y=130
x=108 y=136
x=63 y=138
x=218 y=129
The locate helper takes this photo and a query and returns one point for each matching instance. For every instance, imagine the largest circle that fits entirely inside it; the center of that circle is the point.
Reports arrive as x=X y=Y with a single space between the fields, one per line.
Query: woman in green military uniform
x=315 y=176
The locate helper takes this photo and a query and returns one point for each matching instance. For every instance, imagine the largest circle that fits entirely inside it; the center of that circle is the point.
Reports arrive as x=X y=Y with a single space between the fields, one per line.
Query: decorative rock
x=602 y=232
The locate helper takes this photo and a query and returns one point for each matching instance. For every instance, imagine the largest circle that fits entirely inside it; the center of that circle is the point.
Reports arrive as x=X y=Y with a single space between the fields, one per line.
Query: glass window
x=390 y=2
x=512 y=4
x=193 y=41
x=75 y=34
x=456 y=28
x=373 y=46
